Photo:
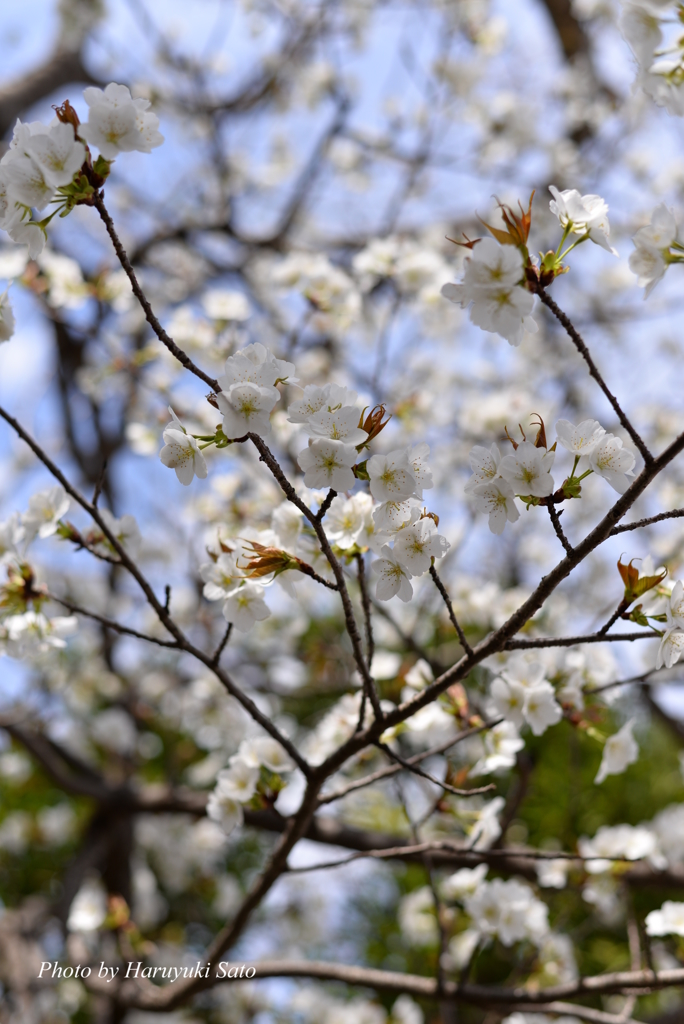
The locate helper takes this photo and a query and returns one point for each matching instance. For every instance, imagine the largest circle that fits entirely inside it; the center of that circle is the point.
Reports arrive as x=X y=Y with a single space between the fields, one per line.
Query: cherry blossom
x=415 y=546
x=7 y=322
x=328 y=463
x=348 y=519
x=528 y=470
x=651 y=256
x=339 y=424
x=57 y=154
x=542 y=708
x=45 y=511
x=669 y=920
x=393 y=578
x=391 y=476
x=484 y=463
x=493 y=282
x=119 y=124
x=239 y=781
x=245 y=606
x=225 y=810
x=497 y=499
x=620 y=751
x=246 y=409
x=580 y=439
x=182 y=453
x=614 y=463
x=582 y=215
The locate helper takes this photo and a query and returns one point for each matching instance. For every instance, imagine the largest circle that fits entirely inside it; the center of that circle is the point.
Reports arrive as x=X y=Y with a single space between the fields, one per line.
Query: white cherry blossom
x=256 y=364
x=671 y=648
x=28 y=184
x=669 y=920
x=220 y=577
x=247 y=408
x=126 y=531
x=225 y=810
x=328 y=463
x=620 y=751
x=501 y=744
x=509 y=700
x=393 y=578
x=484 y=463
x=88 y=908
x=6 y=317
x=338 y=424
x=57 y=153
x=348 y=519
x=417 y=457
x=391 y=476
x=613 y=462
x=580 y=439
x=391 y=516
x=182 y=453
x=494 y=282
x=239 y=781
x=266 y=751
x=119 y=124
x=650 y=258
x=497 y=500
x=245 y=606
x=45 y=511
x=541 y=708
x=415 y=546
x=582 y=215
x=528 y=470
x=316 y=399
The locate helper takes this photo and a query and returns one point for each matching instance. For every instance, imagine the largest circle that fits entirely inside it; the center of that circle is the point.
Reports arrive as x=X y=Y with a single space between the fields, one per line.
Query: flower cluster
x=507 y=910
x=523 y=696
x=497 y=481
x=494 y=282
x=255 y=768
x=499 y=279
x=391 y=520
x=43 y=161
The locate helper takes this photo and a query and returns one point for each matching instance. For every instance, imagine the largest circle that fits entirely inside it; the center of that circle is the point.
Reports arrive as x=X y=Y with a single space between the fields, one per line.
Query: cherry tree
x=342 y=475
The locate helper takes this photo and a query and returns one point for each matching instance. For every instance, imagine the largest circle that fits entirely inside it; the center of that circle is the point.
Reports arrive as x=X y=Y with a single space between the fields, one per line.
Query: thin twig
x=384 y=773
x=570 y=641
x=450 y=608
x=555 y=519
x=365 y=601
x=581 y=347
x=118 y=627
x=216 y=657
x=412 y=767
x=320 y=515
x=676 y=513
x=152 y=320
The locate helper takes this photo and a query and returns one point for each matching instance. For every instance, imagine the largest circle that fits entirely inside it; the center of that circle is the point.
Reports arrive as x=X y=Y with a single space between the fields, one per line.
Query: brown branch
x=555 y=520
x=152 y=320
x=413 y=767
x=366 y=604
x=266 y=456
x=570 y=641
x=118 y=627
x=581 y=347
x=676 y=513
x=450 y=608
